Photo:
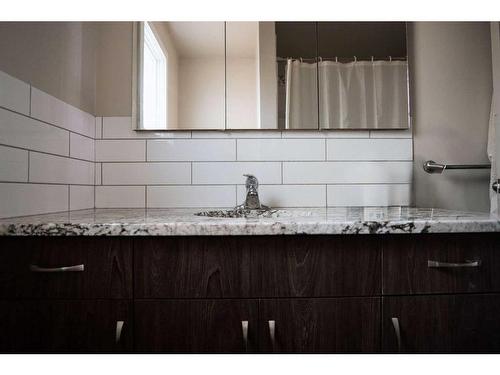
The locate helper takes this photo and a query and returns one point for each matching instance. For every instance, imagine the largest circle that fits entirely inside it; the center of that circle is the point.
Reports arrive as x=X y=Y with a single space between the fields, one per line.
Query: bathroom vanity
x=341 y=280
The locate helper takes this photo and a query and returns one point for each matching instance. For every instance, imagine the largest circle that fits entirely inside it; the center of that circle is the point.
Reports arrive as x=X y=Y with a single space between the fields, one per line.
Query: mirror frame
x=136 y=118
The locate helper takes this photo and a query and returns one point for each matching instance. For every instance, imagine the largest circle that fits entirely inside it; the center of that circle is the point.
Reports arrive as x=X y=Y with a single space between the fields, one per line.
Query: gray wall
x=451 y=95
x=114 y=69
x=56 y=57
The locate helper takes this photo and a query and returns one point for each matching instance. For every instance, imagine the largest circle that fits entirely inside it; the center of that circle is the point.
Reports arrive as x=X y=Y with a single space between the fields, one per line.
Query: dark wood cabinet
x=469 y=263
x=195 y=267
x=256 y=266
x=422 y=293
x=319 y=266
x=32 y=267
x=65 y=326
x=320 y=325
x=196 y=326
x=442 y=324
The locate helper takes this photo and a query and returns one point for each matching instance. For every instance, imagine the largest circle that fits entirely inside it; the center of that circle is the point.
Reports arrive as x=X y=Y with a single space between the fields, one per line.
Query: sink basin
x=247 y=214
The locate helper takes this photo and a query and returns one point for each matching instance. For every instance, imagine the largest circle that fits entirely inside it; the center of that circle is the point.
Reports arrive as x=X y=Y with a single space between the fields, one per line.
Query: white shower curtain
x=363 y=94
x=301 y=95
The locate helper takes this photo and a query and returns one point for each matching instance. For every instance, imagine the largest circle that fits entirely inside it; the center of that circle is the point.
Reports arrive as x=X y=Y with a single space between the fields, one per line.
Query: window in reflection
x=192 y=90
x=154 y=81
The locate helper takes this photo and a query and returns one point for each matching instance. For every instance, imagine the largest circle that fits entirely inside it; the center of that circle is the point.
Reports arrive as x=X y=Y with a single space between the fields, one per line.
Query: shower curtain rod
x=337 y=58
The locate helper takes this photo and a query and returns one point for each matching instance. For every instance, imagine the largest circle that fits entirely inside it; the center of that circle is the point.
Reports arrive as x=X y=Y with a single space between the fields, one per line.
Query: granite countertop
x=183 y=222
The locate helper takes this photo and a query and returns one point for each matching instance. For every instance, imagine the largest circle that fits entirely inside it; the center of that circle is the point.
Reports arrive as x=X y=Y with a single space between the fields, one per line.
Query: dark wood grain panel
x=65 y=326
x=195 y=326
x=320 y=266
x=406 y=271
x=443 y=324
x=321 y=325
x=195 y=267
x=107 y=262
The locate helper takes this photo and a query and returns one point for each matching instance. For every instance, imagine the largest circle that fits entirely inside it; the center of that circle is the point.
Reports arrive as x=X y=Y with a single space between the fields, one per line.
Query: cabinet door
x=326 y=325
x=65 y=267
x=196 y=326
x=71 y=326
x=442 y=324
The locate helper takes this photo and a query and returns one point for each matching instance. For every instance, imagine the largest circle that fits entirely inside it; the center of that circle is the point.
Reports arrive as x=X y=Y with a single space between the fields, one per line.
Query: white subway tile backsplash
x=326 y=134
x=32 y=199
x=232 y=172
x=347 y=172
x=120 y=196
x=13 y=164
x=280 y=149
x=237 y=134
x=184 y=168
x=120 y=150
x=98 y=173
x=98 y=128
x=146 y=173
x=303 y=134
x=81 y=197
x=191 y=196
x=369 y=149
x=191 y=150
x=81 y=147
x=288 y=195
x=402 y=133
x=21 y=131
x=122 y=127
x=369 y=195
x=14 y=94
x=59 y=170
x=54 y=111
x=340 y=133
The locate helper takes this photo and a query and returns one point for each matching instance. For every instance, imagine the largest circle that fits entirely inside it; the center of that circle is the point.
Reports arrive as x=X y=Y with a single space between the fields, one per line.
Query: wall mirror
x=271 y=75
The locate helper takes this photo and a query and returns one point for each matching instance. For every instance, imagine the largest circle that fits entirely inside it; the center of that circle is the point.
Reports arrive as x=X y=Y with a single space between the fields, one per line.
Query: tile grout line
x=29 y=157
x=48 y=153
x=44 y=122
x=30 y=101
x=326 y=195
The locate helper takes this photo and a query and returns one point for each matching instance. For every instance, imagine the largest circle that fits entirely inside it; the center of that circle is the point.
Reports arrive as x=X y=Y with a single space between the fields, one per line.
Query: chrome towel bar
x=431 y=166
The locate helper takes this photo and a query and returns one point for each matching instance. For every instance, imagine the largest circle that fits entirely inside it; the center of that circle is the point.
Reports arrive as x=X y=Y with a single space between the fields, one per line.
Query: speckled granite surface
x=183 y=222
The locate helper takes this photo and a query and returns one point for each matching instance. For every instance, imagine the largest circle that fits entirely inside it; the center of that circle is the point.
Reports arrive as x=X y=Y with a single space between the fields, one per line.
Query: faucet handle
x=251 y=181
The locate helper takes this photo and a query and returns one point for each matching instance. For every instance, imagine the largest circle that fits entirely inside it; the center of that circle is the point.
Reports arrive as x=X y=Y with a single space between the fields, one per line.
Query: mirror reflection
x=272 y=75
x=181 y=75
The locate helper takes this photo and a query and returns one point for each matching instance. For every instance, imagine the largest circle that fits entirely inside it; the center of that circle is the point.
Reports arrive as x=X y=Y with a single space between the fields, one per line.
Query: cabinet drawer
x=320 y=266
x=256 y=266
x=194 y=267
x=442 y=324
x=95 y=267
x=69 y=326
x=441 y=263
x=320 y=325
x=196 y=326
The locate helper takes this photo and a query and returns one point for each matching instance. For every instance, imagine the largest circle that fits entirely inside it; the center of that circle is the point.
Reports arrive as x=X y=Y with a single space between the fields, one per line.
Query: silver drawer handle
x=467 y=263
x=118 y=332
x=397 y=331
x=244 y=330
x=76 y=268
x=272 y=331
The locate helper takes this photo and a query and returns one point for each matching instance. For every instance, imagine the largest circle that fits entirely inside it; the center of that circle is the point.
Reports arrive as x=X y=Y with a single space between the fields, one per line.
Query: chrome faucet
x=252 y=201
